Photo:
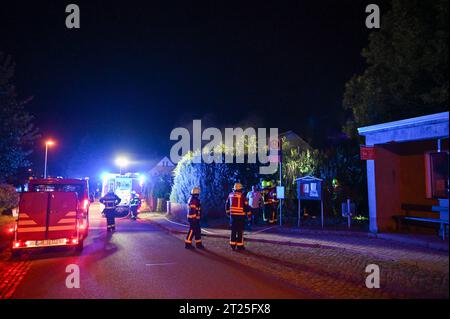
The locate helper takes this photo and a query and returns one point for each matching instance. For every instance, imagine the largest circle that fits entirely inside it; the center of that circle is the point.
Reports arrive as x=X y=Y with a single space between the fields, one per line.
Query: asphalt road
x=140 y=260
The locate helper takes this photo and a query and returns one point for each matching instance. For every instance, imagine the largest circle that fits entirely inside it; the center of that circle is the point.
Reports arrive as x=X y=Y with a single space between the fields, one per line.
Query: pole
x=45 y=161
x=321 y=211
x=299 y=212
x=349 y=213
x=281 y=176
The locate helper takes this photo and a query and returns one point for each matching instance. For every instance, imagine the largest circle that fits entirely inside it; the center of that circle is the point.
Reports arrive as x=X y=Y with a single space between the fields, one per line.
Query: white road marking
x=160 y=264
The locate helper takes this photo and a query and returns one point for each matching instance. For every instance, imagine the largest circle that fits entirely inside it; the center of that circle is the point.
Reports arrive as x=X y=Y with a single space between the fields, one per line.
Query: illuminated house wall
x=397 y=175
x=400 y=178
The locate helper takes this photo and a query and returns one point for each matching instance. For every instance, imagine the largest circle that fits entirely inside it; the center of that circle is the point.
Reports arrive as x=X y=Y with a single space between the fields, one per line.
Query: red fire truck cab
x=54 y=212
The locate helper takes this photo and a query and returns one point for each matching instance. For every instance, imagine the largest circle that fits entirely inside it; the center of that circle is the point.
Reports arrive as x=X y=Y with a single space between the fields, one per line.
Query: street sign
x=344 y=207
x=274 y=150
x=367 y=153
x=274 y=158
x=280 y=192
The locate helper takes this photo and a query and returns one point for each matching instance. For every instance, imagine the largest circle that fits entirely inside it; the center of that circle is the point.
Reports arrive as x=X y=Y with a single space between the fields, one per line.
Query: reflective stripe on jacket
x=194 y=207
x=237 y=204
x=110 y=200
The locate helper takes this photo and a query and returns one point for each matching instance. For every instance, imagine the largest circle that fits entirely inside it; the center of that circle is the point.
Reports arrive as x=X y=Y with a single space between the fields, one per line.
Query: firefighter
x=135 y=203
x=273 y=203
x=237 y=209
x=265 y=200
x=193 y=216
x=110 y=200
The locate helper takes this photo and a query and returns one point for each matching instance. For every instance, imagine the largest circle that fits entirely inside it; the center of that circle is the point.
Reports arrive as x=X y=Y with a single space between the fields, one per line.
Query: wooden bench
x=408 y=208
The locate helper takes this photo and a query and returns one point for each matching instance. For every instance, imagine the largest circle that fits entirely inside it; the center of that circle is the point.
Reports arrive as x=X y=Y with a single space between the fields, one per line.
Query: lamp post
x=47 y=144
x=121 y=162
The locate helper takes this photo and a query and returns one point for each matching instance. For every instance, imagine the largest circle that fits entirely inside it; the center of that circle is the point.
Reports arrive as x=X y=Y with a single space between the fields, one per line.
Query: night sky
x=137 y=69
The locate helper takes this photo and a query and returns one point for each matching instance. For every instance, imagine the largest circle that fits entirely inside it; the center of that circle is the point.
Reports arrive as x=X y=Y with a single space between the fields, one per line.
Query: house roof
x=165 y=161
x=165 y=165
x=295 y=140
x=431 y=126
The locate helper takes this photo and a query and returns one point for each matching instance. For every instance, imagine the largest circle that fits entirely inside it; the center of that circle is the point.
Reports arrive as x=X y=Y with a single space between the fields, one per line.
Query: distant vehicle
x=123 y=185
x=54 y=212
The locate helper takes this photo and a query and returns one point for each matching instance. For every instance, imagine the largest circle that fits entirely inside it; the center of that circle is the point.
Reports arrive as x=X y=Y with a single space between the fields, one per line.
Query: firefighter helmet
x=195 y=191
x=264 y=184
x=237 y=187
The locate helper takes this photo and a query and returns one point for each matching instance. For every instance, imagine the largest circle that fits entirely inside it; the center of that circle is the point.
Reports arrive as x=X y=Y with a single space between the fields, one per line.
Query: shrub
x=9 y=198
x=215 y=181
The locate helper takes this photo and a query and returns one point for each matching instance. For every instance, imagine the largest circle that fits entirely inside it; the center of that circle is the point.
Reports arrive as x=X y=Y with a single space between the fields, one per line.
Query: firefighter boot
x=188 y=246
x=199 y=245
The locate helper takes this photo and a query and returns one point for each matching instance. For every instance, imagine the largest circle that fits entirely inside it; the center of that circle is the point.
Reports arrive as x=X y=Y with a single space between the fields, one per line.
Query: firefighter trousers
x=273 y=214
x=134 y=211
x=110 y=215
x=237 y=230
x=194 y=232
x=266 y=212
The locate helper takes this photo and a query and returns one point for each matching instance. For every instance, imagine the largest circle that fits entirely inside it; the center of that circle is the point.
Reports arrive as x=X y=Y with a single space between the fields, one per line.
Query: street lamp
x=47 y=144
x=122 y=162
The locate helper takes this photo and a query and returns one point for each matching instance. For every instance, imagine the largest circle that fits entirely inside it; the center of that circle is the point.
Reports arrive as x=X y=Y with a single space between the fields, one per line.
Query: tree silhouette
x=407 y=73
x=17 y=132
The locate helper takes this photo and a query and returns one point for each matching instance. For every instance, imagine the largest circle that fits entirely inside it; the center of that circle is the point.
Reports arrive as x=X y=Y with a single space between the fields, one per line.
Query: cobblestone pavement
x=11 y=274
x=334 y=266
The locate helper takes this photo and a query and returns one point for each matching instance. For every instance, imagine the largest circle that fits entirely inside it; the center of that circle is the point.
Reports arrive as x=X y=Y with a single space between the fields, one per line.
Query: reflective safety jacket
x=194 y=207
x=237 y=204
x=270 y=198
x=135 y=201
x=110 y=200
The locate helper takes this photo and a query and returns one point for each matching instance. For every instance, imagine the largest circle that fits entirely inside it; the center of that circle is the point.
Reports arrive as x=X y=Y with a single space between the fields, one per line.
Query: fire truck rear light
x=74 y=241
x=17 y=244
x=85 y=204
x=10 y=230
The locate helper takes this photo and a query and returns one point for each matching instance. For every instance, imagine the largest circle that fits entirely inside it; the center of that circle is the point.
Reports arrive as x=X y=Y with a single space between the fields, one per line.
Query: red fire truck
x=54 y=212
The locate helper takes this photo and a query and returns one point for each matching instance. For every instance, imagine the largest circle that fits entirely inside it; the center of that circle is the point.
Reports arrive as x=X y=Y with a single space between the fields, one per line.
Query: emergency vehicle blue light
x=105 y=175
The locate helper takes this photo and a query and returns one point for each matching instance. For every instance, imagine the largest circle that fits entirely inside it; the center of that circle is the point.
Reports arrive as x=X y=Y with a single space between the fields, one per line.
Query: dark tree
x=17 y=131
x=407 y=73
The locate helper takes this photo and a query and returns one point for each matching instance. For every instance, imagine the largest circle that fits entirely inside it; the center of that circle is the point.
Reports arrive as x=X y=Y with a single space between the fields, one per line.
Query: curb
x=410 y=243
x=413 y=242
